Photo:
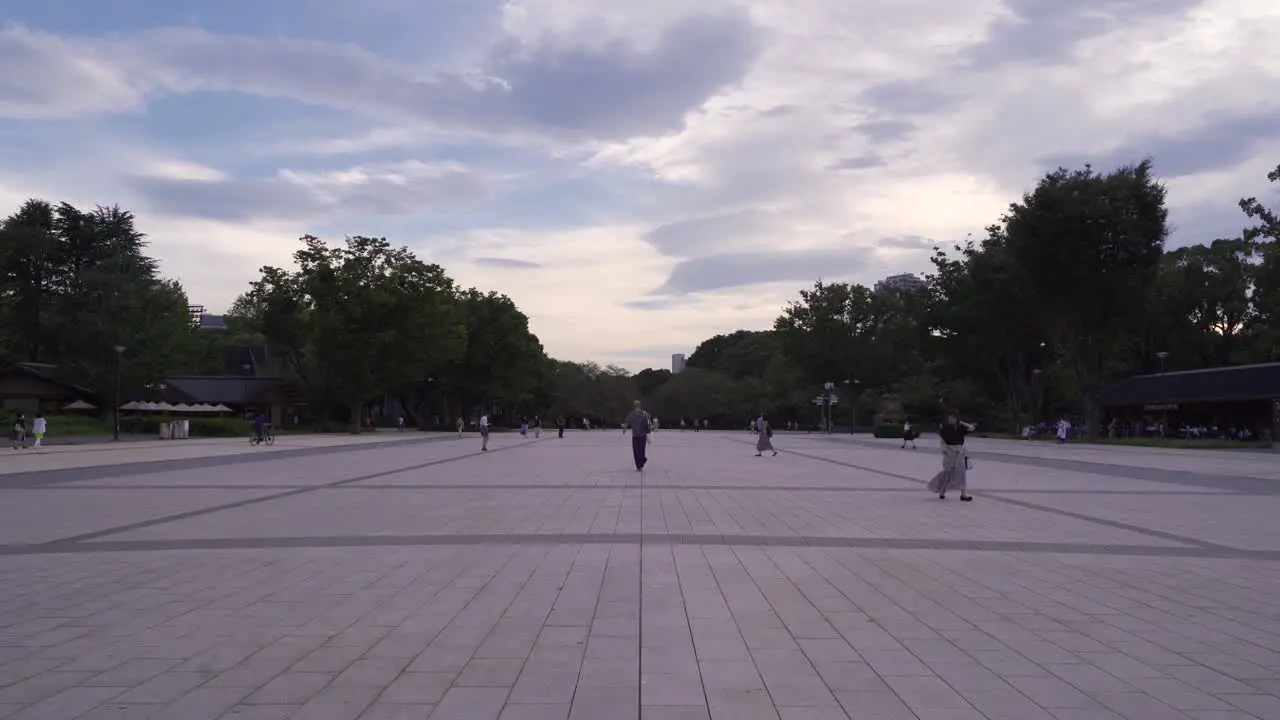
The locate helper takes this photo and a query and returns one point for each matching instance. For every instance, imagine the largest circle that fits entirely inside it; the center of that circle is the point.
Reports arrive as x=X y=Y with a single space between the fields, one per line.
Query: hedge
x=888 y=430
x=200 y=427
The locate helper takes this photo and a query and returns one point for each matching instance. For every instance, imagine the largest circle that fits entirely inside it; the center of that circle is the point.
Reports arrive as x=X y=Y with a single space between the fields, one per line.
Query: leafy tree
x=75 y=285
x=831 y=332
x=649 y=380
x=355 y=321
x=700 y=394
x=1091 y=244
x=502 y=362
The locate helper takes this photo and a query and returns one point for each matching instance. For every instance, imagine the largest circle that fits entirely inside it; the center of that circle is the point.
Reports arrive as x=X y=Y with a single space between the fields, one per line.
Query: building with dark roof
x=1244 y=396
x=36 y=387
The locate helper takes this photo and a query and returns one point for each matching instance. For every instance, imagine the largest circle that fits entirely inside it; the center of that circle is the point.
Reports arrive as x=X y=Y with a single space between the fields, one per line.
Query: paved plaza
x=408 y=576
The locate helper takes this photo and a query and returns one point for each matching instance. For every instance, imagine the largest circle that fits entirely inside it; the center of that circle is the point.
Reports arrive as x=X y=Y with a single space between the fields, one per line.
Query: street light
x=853 y=383
x=1164 y=391
x=1036 y=395
x=115 y=430
x=247 y=368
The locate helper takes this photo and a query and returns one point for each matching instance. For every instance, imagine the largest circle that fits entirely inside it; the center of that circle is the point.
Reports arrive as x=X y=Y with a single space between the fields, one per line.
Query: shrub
x=888 y=430
x=200 y=427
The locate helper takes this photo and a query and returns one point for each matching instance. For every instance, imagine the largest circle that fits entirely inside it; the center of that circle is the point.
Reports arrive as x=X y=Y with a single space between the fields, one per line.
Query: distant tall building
x=677 y=363
x=906 y=282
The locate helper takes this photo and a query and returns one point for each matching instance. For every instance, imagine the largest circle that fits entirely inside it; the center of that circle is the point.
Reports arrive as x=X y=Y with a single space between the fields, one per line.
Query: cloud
x=654 y=169
x=552 y=86
x=715 y=233
x=860 y=162
x=1044 y=31
x=906 y=242
x=886 y=130
x=506 y=263
x=391 y=190
x=719 y=272
x=1216 y=143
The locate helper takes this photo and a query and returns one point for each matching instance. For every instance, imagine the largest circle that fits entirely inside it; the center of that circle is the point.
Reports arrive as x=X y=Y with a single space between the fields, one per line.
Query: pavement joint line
x=636 y=538
x=1242 y=485
x=628 y=486
x=82 y=537
x=994 y=495
x=151 y=467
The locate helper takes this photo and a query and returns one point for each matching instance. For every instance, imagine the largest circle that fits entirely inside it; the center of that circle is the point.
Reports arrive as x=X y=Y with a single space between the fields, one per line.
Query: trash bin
x=166 y=431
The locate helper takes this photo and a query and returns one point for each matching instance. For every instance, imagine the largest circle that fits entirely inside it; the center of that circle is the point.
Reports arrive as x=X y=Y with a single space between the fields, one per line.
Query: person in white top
x=484 y=433
x=39 y=428
x=1064 y=431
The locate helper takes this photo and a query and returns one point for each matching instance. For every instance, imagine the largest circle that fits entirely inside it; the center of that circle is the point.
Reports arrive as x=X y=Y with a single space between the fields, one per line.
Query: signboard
x=1166 y=406
x=834 y=400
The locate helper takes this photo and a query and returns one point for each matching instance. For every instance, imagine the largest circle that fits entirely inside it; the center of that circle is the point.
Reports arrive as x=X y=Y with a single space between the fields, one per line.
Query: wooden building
x=36 y=388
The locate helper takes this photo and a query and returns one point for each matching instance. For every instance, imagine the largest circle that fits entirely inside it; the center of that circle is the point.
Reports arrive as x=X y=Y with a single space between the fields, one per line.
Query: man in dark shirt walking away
x=638 y=421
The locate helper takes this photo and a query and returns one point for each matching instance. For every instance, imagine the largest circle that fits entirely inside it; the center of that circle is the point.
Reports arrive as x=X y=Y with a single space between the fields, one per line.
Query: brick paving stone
x=414 y=578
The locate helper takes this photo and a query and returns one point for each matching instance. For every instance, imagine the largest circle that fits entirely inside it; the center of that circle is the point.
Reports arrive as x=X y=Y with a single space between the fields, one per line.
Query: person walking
x=909 y=435
x=524 y=427
x=484 y=432
x=39 y=427
x=537 y=426
x=955 y=461
x=461 y=424
x=764 y=436
x=1064 y=431
x=20 y=432
x=560 y=423
x=638 y=421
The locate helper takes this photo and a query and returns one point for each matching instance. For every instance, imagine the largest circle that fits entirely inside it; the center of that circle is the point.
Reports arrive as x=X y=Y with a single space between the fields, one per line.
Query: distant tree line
x=1071 y=289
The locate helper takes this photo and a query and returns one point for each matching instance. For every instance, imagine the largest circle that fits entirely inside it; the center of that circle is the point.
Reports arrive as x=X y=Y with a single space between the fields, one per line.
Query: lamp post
x=247 y=368
x=115 y=429
x=853 y=383
x=1164 y=390
x=1037 y=395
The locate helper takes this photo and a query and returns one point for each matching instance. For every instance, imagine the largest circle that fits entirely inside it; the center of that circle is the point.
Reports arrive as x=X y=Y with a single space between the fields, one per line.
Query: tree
x=1091 y=244
x=649 y=380
x=501 y=359
x=1264 y=329
x=983 y=318
x=831 y=332
x=75 y=285
x=699 y=394
x=355 y=321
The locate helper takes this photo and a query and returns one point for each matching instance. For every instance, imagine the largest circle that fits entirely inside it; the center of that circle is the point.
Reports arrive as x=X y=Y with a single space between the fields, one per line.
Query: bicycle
x=268 y=436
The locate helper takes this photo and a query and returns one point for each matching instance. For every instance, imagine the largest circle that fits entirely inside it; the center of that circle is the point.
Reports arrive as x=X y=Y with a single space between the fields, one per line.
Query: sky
x=637 y=175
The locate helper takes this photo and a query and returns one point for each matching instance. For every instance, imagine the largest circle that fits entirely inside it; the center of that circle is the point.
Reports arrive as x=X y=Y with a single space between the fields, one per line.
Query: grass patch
x=1176 y=443
x=67 y=425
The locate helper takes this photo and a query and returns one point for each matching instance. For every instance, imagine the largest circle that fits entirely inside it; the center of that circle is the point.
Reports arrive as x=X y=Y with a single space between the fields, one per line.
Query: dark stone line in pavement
x=36 y=478
x=262 y=543
x=1024 y=504
x=266 y=498
x=627 y=486
x=1230 y=483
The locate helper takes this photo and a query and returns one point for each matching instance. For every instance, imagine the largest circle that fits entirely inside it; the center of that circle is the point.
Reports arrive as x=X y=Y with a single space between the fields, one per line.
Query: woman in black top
x=954 y=459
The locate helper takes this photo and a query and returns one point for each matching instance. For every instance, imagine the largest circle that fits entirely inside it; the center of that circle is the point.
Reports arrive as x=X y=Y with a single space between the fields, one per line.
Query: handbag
x=768 y=432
